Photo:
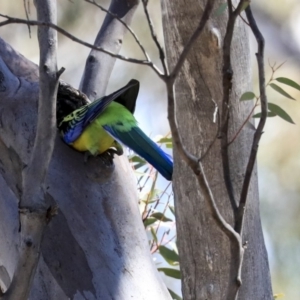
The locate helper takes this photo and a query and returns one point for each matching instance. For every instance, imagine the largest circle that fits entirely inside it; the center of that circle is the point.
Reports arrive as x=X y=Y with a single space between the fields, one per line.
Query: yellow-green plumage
x=95 y=139
x=100 y=125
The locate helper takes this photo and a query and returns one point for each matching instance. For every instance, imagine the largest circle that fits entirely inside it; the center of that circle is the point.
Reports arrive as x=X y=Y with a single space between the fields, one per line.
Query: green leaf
x=165 y=140
x=289 y=82
x=245 y=5
x=280 y=91
x=174 y=295
x=161 y=217
x=137 y=166
x=171 y=272
x=136 y=158
x=169 y=255
x=270 y=114
x=280 y=112
x=153 y=234
x=247 y=96
x=137 y=161
x=220 y=9
x=149 y=201
x=169 y=145
x=172 y=209
x=149 y=221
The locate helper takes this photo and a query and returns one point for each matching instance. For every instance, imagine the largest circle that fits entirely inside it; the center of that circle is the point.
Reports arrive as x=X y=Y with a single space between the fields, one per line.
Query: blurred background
x=279 y=152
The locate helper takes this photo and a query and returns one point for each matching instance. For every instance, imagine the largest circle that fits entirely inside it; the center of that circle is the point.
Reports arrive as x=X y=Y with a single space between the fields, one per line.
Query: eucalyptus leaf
x=245 y=5
x=172 y=209
x=165 y=140
x=247 y=96
x=280 y=112
x=289 y=82
x=149 y=221
x=281 y=91
x=153 y=234
x=161 y=217
x=171 y=272
x=174 y=295
x=169 y=255
x=270 y=114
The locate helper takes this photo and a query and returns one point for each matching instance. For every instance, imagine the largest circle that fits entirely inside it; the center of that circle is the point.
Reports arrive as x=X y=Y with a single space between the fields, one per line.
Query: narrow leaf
x=220 y=9
x=172 y=209
x=165 y=140
x=281 y=91
x=289 y=82
x=169 y=145
x=174 y=295
x=280 y=112
x=139 y=165
x=153 y=234
x=161 y=217
x=149 y=221
x=245 y=5
x=136 y=159
x=247 y=96
x=170 y=272
x=169 y=255
x=270 y=114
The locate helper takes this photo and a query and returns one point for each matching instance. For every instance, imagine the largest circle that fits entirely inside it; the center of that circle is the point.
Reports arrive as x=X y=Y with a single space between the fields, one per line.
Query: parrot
x=108 y=122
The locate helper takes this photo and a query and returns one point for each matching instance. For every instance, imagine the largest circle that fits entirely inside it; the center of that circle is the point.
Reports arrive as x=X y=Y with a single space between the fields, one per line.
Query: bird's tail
x=140 y=143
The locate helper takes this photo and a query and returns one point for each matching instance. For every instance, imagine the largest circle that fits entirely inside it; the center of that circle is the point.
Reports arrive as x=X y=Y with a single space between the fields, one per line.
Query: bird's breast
x=93 y=139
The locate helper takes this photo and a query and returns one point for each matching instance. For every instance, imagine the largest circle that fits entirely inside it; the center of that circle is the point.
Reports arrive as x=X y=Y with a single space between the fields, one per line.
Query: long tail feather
x=140 y=143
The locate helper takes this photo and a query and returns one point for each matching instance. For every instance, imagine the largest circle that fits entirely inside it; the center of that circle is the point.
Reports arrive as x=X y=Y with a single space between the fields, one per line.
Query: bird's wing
x=139 y=142
x=128 y=98
x=73 y=124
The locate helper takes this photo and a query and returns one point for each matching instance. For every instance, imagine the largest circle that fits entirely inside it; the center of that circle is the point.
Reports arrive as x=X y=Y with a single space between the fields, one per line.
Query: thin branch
x=93 y=2
x=11 y=20
x=205 y=16
x=34 y=209
x=262 y=121
x=224 y=226
x=244 y=123
x=154 y=38
x=196 y=166
x=191 y=160
x=227 y=87
x=27 y=12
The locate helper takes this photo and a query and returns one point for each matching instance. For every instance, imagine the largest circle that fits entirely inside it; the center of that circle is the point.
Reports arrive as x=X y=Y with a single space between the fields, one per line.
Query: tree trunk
x=96 y=247
x=207 y=260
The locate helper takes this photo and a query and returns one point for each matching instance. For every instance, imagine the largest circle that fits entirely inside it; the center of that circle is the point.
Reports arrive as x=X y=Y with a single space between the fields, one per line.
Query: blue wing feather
x=140 y=143
x=79 y=119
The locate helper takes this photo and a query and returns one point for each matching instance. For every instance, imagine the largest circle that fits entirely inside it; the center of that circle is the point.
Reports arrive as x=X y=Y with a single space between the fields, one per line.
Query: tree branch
x=227 y=86
x=11 y=20
x=93 y=2
x=110 y=36
x=34 y=210
x=262 y=121
x=154 y=38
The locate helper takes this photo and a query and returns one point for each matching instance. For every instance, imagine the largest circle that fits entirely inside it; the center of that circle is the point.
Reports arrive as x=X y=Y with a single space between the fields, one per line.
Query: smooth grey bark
x=33 y=207
x=96 y=246
x=207 y=261
x=99 y=65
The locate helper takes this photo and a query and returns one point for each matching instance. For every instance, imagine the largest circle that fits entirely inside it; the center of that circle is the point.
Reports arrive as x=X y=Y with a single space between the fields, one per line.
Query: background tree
x=202 y=87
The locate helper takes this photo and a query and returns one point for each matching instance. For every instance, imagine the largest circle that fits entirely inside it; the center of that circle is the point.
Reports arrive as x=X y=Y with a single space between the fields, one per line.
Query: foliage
x=157 y=211
x=273 y=109
x=158 y=215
